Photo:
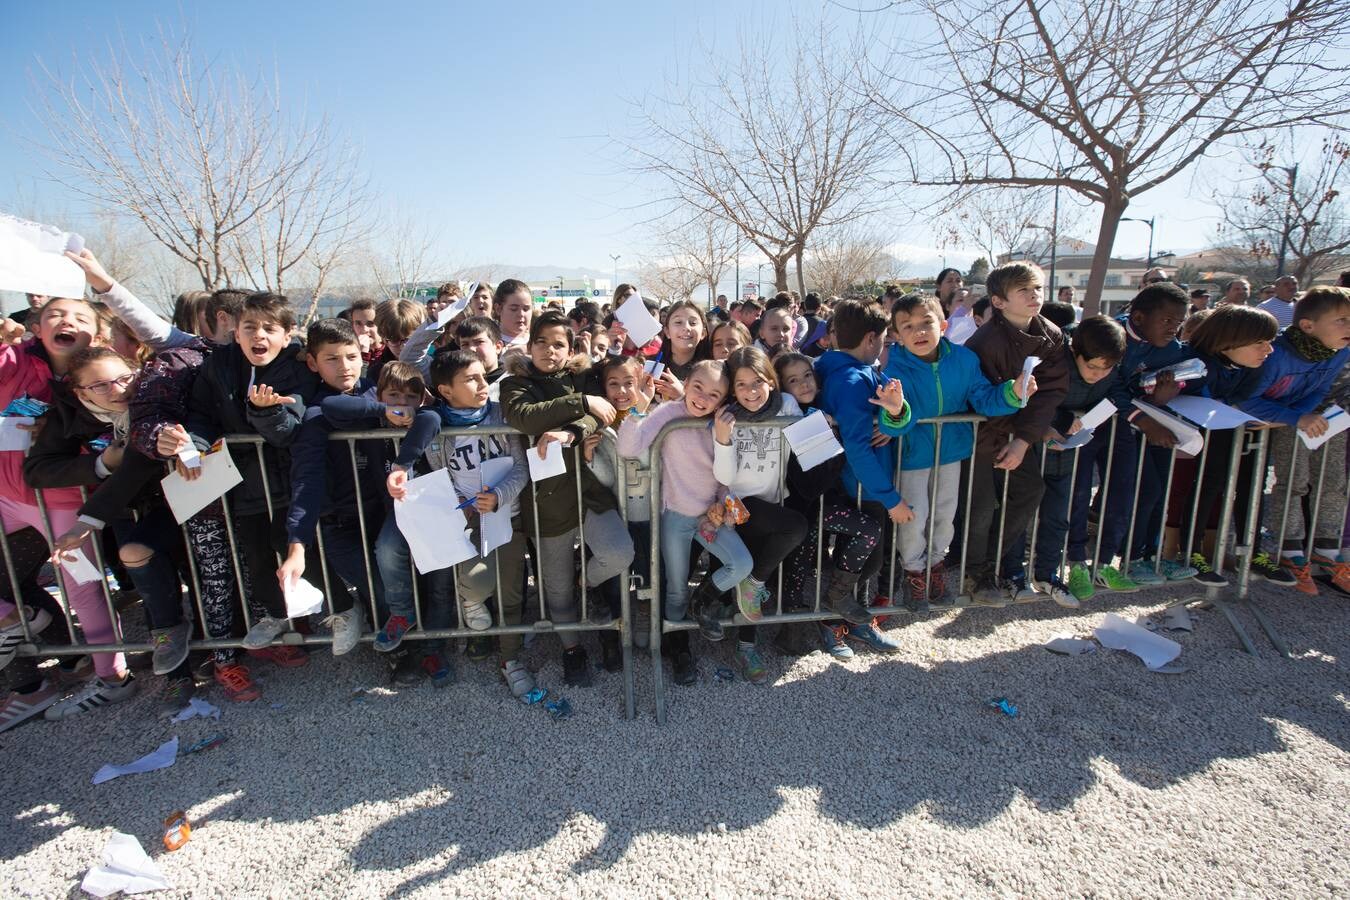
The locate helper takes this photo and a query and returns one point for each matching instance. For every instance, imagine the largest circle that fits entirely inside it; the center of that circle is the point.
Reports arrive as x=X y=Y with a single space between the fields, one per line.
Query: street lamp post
x=616 y=257
x=1149 y=222
x=1292 y=172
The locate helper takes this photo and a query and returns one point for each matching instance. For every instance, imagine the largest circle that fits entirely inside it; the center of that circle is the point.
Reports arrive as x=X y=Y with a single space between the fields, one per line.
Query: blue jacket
x=1140 y=357
x=949 y=386
x=845 y=387
x=1291 y=386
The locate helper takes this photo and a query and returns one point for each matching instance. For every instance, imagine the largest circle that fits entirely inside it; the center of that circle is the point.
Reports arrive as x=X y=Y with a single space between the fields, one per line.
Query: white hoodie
x=754 y=464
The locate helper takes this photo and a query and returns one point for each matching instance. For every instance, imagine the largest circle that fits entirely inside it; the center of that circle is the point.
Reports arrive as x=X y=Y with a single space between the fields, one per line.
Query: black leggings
x=859 y=535
x=771 y=533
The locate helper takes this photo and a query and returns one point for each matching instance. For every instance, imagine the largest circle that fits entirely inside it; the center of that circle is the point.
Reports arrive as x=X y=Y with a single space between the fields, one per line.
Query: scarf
x=1307 y=346
x=120 y=422
x=771 y=408
x=462 y=418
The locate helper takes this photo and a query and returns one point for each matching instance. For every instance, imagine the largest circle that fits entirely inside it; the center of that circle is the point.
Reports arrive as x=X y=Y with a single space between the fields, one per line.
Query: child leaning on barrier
x=691 y=499
x=83 y=443
x=1292 y=390
x=543 y=398
x=1234 y=342
x=462 y=390
x=750 y=459
x=1015 y=332
x=817 y=495
x=335 y=490
x=1097 y=345
x=1156 y=313
x=940 y=379
x=621 y=379
x=259 y=384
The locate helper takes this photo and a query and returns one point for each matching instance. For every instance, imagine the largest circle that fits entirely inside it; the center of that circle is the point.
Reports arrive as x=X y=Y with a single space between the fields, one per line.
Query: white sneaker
x=94 y=694
x=18 y=707
x=518 y=678
x=347 y=628
x=12 y=636
x=477 y=617
x=264 y=632
x=1058 y=593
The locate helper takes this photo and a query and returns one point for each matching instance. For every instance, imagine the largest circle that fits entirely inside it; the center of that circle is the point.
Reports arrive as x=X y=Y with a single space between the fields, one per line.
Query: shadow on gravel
x=475 y=775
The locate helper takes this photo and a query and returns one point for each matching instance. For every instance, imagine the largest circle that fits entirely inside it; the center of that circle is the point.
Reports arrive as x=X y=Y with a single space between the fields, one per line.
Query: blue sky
x=491 y=122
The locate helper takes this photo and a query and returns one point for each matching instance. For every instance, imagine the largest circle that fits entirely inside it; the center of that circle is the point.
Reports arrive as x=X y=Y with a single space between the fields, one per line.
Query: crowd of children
x=990 y=491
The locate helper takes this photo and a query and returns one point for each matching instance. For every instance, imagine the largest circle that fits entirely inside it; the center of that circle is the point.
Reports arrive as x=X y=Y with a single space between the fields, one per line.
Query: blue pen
x=472 y=500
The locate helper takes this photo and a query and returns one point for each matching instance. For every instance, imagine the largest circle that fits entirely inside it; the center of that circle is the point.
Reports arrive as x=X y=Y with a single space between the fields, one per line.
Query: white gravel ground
x=885 y=776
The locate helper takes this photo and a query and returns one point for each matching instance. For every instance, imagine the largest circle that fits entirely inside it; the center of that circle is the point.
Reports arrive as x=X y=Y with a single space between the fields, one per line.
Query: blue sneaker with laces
x=388 y=638
x=870 y=635
x=832 y=638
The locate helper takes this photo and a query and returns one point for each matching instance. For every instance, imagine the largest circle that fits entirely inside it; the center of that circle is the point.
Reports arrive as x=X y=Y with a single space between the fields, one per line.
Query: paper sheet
x=161 y=758
x=1210 y=414
x=812 y=440
x=12 y=437
x=190 y=458
x=198 y=707
x=78 y=566
x=960 y=329
x=653 y=368
x=1189 y=439
x=1335 y=416
x=552 y=465
x=1028 y=366
x=32 y=259
x=494 y=528
x=444 y=316
x=1068 y=645
x=187 y=498
x=436 y=532
x=641 y=325
x=1077 y=439
x=1154 y=649
x=1099 y=414
x=302 y=599
x=124 y=866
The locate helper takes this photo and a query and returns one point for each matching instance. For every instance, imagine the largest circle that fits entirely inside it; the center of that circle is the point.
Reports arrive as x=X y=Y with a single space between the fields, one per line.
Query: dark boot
x=705 y=603
x=611 y=651
x=796 y=638
x=682 y=666
x=840 y=598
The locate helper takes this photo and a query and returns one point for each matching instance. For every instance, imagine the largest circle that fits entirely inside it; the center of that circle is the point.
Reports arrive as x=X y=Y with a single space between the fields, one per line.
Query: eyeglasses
x=103 y=388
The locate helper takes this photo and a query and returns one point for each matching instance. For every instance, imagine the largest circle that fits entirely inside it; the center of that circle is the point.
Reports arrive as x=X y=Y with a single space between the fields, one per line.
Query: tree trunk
x=1112 y=210
x=801 y=273
x=780 y=279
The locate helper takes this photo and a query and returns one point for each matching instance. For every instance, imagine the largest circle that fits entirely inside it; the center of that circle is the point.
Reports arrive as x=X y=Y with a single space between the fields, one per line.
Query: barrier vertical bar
x=1310 y=529
x=16 y=588
x=57 y=568
x=361 y=522
x=1221 y=539
x=1105 y=494
x=965 y=518
x=1250 y=531
x=1195 y=506
x=933 y=476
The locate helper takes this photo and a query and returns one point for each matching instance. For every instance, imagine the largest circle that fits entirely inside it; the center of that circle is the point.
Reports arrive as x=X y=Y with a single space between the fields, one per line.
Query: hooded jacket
x=846 y=386
x=1003 y=348
x=1290 y=385
x=534 y=402
x=948 y=386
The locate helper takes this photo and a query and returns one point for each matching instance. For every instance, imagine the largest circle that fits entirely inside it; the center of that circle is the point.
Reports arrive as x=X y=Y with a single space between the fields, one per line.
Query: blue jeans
x=347 y=560
x=677 y=533
x=395 y=564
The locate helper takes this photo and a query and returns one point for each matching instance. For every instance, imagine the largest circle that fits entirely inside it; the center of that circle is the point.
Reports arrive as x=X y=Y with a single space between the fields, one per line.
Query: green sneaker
x=1080 y=581
x=1141 y=572
x=751 y=664
x=750 y=598
x=1177 y=571
x=1111 y=578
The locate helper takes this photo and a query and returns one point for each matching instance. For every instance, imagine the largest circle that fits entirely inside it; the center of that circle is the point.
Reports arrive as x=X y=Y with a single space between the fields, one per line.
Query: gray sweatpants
x=611 y=554
x=913 y=536
x=1287 y=448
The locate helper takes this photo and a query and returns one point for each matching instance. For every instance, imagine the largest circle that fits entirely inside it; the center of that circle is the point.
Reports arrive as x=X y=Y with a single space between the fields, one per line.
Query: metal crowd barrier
x=331 y=582
x=1239 y=537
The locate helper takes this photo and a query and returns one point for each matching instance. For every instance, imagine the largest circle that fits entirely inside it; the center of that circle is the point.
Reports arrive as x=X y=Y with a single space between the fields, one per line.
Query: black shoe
x=576 y=667
x=407 y=669
x=796 y=638
x=684 y=669
x=481 y=648
x=611 y=651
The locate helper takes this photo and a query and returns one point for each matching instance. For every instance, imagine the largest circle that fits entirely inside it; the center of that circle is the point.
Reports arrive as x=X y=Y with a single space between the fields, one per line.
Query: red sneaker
x=288 y=656
x=937 y=583
x=1302 y=572
x=234 y=680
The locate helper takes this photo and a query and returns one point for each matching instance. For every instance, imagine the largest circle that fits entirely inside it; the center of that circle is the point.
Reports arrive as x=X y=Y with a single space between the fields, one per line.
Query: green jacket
x=533 y=403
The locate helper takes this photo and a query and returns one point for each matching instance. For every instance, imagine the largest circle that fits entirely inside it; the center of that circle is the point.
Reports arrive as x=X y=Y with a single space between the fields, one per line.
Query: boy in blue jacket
x=940 y=378
x=1293 y=387
x=328 y=491
x=850 y=386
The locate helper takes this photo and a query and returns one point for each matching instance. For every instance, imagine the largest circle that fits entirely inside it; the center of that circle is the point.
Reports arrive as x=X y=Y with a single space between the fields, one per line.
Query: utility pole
x=616 y=257
x=1288 y=204
x=1054 y=236
x=736 y=294
x=1149 y=222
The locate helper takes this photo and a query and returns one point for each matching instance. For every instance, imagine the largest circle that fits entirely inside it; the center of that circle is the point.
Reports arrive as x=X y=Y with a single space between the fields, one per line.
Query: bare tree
x=1292 y=210
x=781 y=143
x=404 y=260
x=667 y=280
x=1111 y=98
x=705 y=246
x=999 y=220
x=204 y=157
x=841 y=258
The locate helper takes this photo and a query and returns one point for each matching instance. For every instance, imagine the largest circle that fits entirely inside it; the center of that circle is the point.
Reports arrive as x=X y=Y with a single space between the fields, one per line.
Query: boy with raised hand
x=1014 y=333
x=940 y=378
x=1295 y=381
x=325 y=489
x=1151 y=343
x=850 y=386
x=461 y=388
x=259 y=384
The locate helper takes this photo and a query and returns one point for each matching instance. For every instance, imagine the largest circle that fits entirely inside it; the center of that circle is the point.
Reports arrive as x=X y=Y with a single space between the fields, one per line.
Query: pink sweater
x=687 y=483
x=24 y=371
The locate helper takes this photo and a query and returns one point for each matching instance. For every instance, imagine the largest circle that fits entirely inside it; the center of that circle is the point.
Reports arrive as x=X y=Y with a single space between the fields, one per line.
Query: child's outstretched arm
x=140 y=319
x=855 y=433
x=577 y=412
x=896 y=417
x=425 y=426
x=417 y=350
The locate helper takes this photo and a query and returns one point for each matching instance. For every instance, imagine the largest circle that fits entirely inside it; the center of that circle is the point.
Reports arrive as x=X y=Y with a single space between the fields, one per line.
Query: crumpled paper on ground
x=124 y=866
